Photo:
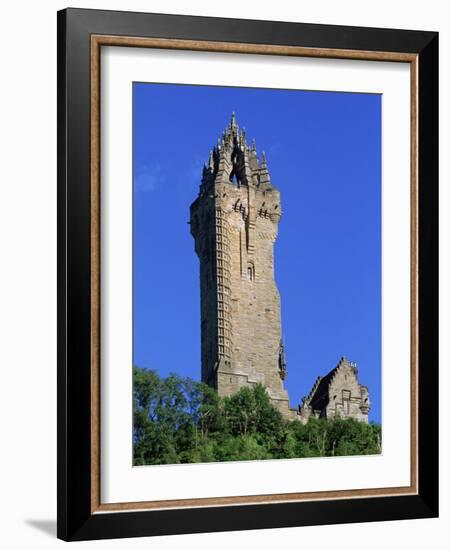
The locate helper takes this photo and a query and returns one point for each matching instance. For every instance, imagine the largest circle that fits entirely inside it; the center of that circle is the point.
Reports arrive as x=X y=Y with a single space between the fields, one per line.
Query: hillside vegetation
x=179 y=420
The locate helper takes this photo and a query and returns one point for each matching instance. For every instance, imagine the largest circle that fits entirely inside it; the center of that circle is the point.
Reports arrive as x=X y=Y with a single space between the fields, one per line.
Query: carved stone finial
x=243 y=136
x=211 y=160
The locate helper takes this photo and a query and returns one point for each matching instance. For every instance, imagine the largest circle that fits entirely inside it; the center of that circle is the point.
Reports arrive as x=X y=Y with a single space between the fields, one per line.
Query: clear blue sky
x=324 y=154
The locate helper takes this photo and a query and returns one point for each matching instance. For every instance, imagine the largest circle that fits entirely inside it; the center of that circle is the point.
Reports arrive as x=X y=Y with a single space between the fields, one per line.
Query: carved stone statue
x=282 y=361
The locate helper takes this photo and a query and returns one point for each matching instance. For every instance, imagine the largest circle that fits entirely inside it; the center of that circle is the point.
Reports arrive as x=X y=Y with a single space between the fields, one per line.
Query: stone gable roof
x=319 y=396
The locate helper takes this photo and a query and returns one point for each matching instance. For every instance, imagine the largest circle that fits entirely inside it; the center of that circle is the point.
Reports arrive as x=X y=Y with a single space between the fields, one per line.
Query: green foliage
x=178 y=420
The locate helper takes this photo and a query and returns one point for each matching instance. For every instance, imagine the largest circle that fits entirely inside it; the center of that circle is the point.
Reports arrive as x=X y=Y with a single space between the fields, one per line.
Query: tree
x=179 y=420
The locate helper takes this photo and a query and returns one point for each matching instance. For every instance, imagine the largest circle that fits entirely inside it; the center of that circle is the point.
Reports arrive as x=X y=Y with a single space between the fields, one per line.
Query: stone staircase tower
x=234 y=222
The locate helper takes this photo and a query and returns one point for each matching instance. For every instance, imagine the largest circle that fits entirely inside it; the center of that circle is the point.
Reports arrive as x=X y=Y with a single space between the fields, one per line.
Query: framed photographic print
x=247 y=274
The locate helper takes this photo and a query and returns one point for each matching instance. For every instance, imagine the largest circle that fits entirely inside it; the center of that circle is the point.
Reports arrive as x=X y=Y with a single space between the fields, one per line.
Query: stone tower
x=234 y=222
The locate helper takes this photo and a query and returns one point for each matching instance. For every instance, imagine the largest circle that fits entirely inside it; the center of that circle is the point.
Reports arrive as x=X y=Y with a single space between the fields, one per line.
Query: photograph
x=257 y=269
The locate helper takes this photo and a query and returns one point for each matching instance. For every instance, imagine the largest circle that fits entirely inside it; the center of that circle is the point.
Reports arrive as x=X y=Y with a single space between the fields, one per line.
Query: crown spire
x=233 y=159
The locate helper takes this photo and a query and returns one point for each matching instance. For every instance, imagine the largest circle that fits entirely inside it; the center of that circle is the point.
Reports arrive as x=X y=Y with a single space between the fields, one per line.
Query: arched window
x=250 y=272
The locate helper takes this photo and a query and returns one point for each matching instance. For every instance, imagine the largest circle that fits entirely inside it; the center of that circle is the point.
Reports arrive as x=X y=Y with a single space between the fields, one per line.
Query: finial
x=233 y=119
x=211 y=160
x=253 y=144
x=243 y=136
x=263 y=158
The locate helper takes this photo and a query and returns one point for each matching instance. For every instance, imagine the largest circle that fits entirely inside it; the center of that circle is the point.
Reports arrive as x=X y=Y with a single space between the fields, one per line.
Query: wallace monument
x=234 y=222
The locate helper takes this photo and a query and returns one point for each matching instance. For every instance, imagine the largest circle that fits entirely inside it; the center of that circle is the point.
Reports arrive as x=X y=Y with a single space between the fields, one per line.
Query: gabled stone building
x=234 y=222
x=338 y=394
